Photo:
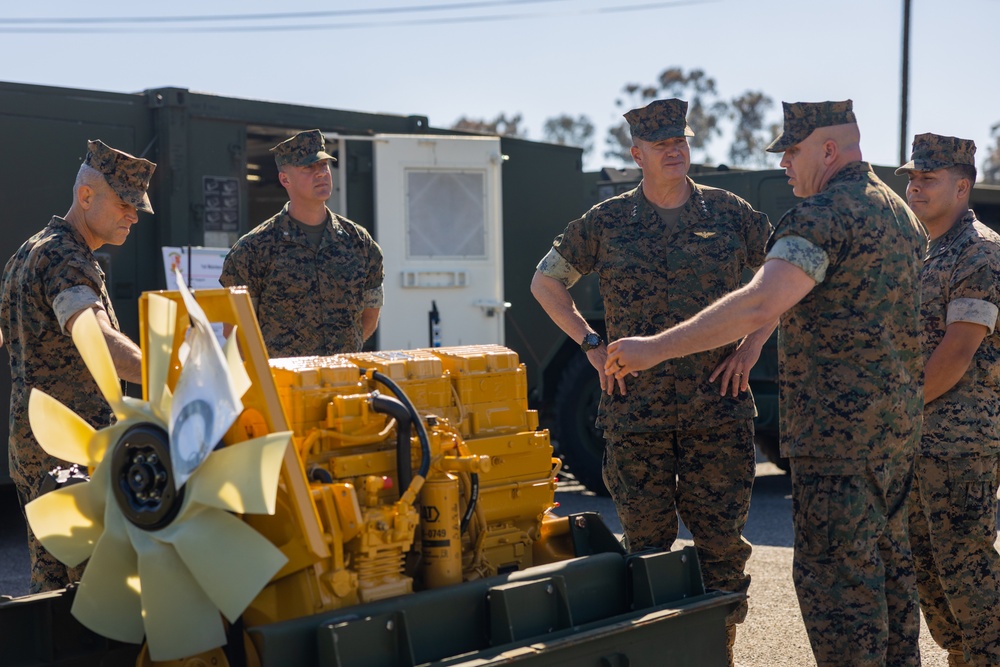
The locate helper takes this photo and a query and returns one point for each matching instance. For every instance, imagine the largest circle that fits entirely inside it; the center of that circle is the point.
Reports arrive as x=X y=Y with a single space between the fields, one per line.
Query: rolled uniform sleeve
x=974 y=294
x=812 y=238
x=975 y=311
x=70 y=282
x=71 y=301
x=802 y=253
x=556 y=267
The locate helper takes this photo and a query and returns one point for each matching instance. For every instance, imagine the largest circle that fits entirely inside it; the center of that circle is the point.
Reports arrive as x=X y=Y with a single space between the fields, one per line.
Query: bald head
x=847 y=139
x=812 y=162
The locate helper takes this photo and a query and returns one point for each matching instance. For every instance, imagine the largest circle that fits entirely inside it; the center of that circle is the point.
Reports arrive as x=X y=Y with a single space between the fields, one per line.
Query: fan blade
x=69 y=521
x=89 y=340
x=179 y=618
x=231 y=561
x=160 y=325
x=237 y=371
x=242 y=478
x=60 y=431
x=108 y=601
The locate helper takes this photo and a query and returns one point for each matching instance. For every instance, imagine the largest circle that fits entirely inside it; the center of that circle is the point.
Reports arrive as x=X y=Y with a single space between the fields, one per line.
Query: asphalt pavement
x=773 y=634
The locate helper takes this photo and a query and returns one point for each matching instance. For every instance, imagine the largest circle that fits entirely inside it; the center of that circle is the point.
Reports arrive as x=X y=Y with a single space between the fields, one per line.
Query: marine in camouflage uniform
x=315 y=286
x=953 y=508
x=675 y=446
x=842 y=271
x=851 y=404
x=53 y=277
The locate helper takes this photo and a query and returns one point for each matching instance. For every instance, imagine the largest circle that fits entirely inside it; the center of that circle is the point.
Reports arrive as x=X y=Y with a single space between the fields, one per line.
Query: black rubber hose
x=394 y=408
x=473 y=499
x=425 y=445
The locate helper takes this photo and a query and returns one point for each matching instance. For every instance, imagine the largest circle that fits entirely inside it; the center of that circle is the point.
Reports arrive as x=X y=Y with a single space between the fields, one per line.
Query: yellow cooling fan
x=166 y=554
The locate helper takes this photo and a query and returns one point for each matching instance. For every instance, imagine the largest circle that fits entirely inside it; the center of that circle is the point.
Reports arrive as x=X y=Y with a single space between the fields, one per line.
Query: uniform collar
x=643 y=209
x=292 y=231
x=852 y=171
x=945 y=241
x=64 y=225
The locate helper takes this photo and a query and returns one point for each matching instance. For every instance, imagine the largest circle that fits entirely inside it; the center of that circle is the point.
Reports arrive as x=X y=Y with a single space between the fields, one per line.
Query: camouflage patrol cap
x=658 y=120
x=932 y=151
x=301 y=150
x=127 y=175
x=801 y=118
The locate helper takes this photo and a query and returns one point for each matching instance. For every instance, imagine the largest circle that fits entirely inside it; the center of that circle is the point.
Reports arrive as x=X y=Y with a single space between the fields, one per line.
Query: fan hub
x=143 y=480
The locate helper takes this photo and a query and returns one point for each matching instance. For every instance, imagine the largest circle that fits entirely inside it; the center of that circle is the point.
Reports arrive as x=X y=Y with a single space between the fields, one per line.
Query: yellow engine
x=405 y=470
x=424 y=467
x=259 y=512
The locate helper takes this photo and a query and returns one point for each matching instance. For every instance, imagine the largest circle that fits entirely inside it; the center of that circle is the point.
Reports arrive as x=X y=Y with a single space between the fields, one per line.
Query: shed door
x=437 y=219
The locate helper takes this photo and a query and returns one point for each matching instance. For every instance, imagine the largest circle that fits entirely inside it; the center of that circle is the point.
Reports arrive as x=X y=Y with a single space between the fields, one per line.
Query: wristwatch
x=590 y=341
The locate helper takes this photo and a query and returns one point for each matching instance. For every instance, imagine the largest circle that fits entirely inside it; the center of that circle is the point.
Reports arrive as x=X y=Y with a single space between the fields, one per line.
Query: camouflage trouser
x=703 y=476
x=953 y=523
x=27 y=469
x=853 y=570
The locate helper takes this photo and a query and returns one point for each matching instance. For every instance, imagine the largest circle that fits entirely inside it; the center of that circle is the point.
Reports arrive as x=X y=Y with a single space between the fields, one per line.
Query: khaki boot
x=730 y=640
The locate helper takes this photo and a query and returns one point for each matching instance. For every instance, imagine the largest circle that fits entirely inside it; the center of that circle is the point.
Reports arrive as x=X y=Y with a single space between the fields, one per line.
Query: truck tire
x=768 y=446
x=581 y=444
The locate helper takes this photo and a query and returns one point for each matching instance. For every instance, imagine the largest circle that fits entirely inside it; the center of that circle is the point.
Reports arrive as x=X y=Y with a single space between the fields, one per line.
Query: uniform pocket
x=973 y=488
x=832 y=514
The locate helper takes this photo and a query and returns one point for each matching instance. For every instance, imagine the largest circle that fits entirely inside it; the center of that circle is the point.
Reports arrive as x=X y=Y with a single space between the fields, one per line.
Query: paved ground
x=773 y=634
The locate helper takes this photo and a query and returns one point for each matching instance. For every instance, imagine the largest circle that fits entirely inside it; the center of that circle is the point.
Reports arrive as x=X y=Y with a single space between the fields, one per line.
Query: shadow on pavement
x=13 y=549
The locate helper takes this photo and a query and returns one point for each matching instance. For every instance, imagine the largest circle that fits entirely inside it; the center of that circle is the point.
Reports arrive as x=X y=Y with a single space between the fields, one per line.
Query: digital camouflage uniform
x=51 y=277
x=674 y=445
x=953 y=508
x=851 y=401
x=308 y=300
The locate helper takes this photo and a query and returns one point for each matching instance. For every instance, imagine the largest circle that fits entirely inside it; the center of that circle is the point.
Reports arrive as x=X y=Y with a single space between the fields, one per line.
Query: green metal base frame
x=601 y=609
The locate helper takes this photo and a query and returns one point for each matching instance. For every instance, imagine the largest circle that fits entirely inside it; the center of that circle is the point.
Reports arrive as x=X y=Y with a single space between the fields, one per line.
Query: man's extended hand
x=629 y=356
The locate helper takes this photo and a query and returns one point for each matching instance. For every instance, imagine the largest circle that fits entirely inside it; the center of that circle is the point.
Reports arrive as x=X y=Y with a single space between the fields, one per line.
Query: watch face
x=590 y=341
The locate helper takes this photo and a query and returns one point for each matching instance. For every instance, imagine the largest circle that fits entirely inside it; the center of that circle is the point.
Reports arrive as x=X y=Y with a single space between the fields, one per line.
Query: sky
x=445 y=59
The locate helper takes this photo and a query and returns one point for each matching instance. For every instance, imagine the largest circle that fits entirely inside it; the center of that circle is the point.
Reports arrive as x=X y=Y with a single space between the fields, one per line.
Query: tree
x=569 y=131
x=749 y=140
x=619 y=140
x=708 y=115
x=705 y=109
x=500 y=126
x=991 y=165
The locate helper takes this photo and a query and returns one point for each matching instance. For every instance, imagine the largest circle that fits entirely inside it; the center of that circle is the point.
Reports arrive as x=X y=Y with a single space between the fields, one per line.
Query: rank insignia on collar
x=705 y=235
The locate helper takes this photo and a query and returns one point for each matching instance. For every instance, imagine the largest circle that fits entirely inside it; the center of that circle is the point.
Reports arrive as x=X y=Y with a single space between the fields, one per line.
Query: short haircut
x=964 y=171
x=90 y=177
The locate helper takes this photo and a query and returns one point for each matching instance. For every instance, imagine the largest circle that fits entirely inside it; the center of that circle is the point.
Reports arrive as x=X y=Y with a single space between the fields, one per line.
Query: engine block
x=475 y=513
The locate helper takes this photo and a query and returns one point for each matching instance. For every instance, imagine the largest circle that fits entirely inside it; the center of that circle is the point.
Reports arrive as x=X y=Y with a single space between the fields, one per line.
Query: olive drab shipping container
x=412 y=186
